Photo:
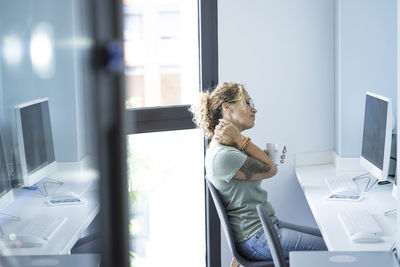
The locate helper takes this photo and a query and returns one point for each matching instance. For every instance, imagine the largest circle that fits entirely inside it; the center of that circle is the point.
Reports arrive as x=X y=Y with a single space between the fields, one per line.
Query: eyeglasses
x=248 y=101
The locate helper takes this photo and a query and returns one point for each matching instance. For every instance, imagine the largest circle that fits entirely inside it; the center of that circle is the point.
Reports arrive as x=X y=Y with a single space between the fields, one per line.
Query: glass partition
x=45 y=57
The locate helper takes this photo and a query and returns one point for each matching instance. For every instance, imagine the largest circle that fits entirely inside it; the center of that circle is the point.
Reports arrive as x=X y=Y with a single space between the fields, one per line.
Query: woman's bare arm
x=258 y=165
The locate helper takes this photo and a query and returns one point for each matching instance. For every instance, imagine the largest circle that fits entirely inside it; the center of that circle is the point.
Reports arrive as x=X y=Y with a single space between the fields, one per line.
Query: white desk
x=311 y=179
x=28 y=203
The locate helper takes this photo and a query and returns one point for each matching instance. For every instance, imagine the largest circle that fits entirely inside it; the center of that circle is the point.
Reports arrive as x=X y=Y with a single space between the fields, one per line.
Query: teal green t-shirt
x=240 y=197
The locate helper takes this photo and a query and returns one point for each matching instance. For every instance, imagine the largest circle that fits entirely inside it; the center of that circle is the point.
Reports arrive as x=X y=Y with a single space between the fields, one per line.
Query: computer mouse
x=23 y=241
x=366 y=237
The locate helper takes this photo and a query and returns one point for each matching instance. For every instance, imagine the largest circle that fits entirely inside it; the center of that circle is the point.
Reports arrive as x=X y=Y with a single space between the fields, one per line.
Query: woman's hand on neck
x=227 y=133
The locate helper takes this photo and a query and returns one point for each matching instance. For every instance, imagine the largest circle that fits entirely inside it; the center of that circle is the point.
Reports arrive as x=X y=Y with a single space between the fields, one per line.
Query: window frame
x=178 y=117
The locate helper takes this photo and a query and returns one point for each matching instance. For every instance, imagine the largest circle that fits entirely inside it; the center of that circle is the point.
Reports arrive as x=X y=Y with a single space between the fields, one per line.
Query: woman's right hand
x=226 y=133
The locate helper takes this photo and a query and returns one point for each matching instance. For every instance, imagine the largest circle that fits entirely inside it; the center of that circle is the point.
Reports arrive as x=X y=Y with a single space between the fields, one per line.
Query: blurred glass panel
x=166 y=175
x=161 y=33
x=45 y=50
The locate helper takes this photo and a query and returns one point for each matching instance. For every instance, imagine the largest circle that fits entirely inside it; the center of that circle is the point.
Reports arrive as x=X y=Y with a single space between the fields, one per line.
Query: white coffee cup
x=277 y=153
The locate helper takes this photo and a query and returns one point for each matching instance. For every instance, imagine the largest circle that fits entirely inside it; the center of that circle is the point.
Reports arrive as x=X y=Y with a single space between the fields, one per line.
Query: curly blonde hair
x=207 y=112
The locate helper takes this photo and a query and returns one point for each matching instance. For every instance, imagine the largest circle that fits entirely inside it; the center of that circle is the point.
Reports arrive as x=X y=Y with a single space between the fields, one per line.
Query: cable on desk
x=363 y=176
x=49 y=180
x=386 y=213
x=366 y=189
x=13 y=217
x=393 y=248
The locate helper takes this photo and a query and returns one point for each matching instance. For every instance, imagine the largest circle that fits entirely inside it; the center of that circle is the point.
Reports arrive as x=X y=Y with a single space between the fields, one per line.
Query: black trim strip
x=163 y=125
x=208 y=43
x=160 y=113
x=209 y=78
x=159 y=119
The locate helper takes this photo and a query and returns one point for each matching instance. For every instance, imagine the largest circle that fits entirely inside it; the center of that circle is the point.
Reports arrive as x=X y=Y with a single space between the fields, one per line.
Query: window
x=161 y=37
x=169 y=55
x=167 y=194
x=170 y=83
x=133 y=28
x=169 y=25
x=134 y=82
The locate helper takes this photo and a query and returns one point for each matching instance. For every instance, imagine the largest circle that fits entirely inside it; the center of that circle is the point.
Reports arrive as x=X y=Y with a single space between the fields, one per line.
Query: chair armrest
x=300 y=228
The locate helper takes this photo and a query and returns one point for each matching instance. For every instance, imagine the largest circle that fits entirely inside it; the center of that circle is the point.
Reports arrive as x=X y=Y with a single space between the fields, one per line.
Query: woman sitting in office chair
x=236 y=167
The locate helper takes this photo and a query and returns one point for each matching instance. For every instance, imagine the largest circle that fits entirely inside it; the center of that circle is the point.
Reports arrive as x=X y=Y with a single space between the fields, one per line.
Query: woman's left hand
x=227 y=133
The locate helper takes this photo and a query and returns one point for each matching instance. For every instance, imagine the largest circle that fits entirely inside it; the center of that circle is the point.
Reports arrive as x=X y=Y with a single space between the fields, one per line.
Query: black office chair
x=237 y=258
x=272 y=237
x=88 y=244
x=90 y=241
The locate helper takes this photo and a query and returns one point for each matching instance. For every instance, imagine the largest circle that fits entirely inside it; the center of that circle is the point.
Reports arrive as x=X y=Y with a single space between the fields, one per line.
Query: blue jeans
x=256 y=247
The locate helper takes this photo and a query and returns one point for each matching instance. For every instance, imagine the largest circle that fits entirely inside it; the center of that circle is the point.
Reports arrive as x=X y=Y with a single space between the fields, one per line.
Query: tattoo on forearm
x=253 y=166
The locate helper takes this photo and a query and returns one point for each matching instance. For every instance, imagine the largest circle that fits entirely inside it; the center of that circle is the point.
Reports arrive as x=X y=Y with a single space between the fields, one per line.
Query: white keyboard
x=359 y=221
x=44 y=226
x=341 y=183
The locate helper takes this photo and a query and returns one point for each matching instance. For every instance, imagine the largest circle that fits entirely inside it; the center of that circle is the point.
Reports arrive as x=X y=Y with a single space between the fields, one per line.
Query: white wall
x=65 y=89
x=283 y=51
x=366 y=43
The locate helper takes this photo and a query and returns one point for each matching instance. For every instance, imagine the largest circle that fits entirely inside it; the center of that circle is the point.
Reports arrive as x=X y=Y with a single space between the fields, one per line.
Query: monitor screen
x=38 y=140
x=35 y=141
x=374 y=134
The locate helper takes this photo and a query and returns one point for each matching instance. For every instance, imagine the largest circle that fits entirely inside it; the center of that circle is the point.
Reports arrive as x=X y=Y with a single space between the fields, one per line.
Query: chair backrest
x=222 y=216
x=228 y=232
x=272 y=237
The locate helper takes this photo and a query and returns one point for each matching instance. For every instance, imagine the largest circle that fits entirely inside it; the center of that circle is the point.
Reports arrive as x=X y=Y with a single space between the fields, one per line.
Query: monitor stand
x=42 y=186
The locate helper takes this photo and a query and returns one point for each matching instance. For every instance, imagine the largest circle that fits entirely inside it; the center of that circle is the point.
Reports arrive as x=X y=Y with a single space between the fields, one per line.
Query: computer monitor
x=377 y=135
x=35 y=141
x=6 y=193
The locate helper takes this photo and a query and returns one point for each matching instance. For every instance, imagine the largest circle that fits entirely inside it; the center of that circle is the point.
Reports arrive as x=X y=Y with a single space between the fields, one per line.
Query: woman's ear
x=225 y=106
